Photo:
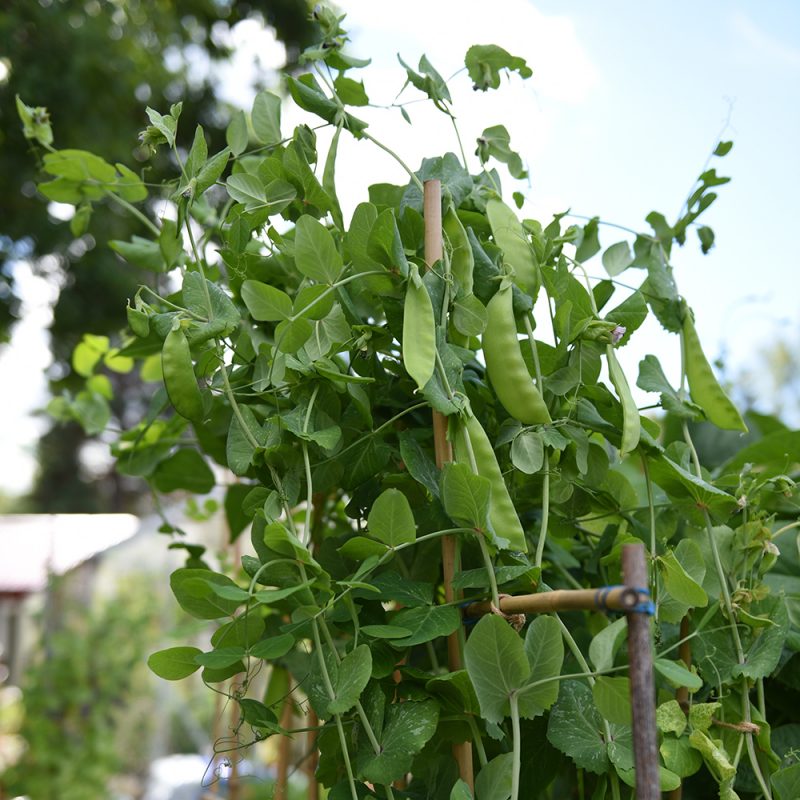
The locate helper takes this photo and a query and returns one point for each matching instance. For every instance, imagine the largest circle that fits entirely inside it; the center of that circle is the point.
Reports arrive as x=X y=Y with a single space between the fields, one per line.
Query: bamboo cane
x=611 y=598
x=640 y=656
x=432 y=211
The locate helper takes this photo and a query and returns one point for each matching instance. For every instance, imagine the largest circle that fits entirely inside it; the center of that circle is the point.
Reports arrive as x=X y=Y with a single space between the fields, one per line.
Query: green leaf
x=527 y=452
x=630 y=314
x=419 y=464
x=270 y=596
x=426 y=623
x=359 y=548
x=495 y=142
x=391 y=519
x=460 y=791
x=407 y=729
x=187 y=470
x=679 y=756
x=679 y=583
x=266 y=118
x=617 y=258
x=484 y=63
x=612 y=696
x=141 y=253
x=248 y=190
x=494 y=781
x=544 y=649
x=255 y=713
x=350 y=92
x=315 y=252
x=670 y=718
x=220 y=658
x=236 y=133
x=470 y=315
x=496 y=662
x=195 y=596
x=465 y=496
x=786 y=782
x=677 y=674
x=174 y=663
x=198 y=154
x=272 y=648
x=355 y=671
x=266 y=303
x=576 y=728
x=385 y=631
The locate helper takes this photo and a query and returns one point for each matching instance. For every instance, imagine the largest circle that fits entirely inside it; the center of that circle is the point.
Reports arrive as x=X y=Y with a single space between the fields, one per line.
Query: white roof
x=32 y=545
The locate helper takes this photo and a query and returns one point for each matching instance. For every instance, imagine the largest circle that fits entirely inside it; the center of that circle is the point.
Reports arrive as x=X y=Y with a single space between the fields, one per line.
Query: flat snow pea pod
x=631 y=424
x=178 y=370
x=703 y=384
x=511 y=238
x=502 y=513
x=510 y=377
x=461 y=259
x=419 y=330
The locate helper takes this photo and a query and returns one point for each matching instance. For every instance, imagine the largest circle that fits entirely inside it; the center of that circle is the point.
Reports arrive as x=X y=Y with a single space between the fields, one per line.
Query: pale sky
x=626 y=103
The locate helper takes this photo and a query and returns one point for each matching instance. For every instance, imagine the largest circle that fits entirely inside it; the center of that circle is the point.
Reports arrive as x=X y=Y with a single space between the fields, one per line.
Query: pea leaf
x=576 y=727
x=273 y=647
x=677 y=674
x=391 y=519
x=612 y=696
x=617 y=258
x=427 y=623
x=355 y=670
x=174 y=663
x=195 y=596
x=266 y=303
x=266 y=117
x=494 y=781
x=315 y=252
x=679 y=583
x=496 y=663
x=220 y=658
x=527 y=452
x=465 y=496
x=544 y=649
x=484 y=63
x=186 y=469
x=407 y=729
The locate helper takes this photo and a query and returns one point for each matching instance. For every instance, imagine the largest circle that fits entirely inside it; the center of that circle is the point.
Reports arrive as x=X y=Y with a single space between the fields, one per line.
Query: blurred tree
x=96 y=65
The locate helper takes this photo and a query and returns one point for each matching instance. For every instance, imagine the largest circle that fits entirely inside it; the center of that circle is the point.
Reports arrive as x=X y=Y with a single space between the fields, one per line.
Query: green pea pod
x=461 y=258
x=502 y=513
x=703 y=385
x=631 y=424
x=419 y=330
x=178 y=370
x=511 y=238
x=510 y=378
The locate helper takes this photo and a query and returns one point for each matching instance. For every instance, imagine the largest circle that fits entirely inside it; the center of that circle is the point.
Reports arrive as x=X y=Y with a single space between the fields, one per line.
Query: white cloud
x=764 y=44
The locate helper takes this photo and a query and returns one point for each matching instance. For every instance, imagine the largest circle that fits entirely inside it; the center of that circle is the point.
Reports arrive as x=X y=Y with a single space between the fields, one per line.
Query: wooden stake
x=643 y=699
x=284 y=745
x=311 y=762
x=432 y=211
x=682 y=694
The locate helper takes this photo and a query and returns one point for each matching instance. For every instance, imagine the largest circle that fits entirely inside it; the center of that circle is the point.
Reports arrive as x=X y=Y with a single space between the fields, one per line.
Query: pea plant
x=361 y=398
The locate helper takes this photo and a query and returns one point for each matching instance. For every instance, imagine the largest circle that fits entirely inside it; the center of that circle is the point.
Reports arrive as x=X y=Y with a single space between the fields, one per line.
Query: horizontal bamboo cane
x=612 y=598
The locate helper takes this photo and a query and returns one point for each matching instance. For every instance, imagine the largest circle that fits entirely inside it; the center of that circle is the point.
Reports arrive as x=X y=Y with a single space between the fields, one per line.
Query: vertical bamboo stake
x=682 y=694
x=282 y=769
x=432 y=211
x=313 y=759
x=640 y=655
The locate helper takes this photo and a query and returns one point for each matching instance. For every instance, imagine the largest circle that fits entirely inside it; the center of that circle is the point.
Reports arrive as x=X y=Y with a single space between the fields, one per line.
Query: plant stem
x=487 y=560
x=545 y=514
x=414 y=178
x=307 y=464
x=516 y=740
x=732 y=625
x=148 y=223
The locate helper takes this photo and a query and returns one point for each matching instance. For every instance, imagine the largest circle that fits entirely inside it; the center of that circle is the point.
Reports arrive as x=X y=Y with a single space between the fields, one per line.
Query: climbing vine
x=296 y=359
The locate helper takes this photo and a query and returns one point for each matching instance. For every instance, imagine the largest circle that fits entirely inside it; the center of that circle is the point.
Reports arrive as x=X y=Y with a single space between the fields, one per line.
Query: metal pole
x=640 y=656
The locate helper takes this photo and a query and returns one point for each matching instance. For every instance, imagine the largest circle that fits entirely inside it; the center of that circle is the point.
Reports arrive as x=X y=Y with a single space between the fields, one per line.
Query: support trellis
x=633 y=598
